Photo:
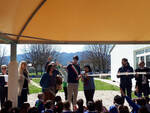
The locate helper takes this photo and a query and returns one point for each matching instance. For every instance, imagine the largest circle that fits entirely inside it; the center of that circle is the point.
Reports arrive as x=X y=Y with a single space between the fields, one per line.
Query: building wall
x=123 y=51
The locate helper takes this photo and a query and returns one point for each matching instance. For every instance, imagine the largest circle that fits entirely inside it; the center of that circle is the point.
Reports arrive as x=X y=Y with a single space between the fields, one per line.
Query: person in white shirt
x=4 y=84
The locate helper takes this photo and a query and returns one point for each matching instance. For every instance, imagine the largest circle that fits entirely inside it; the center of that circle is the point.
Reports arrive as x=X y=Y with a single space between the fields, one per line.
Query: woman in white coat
x=23 y=83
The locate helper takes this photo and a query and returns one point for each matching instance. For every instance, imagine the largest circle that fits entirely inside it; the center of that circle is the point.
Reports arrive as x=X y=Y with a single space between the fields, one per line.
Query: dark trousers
x=127 y=90
x=143 y=88
x=2 y=95
x=23 y=97
x=6 y=93
x=65 y=91
x=89 y=94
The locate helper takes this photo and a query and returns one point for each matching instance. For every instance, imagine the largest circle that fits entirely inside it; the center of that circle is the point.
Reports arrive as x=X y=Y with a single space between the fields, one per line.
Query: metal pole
x=13 y=76
x=13 y=53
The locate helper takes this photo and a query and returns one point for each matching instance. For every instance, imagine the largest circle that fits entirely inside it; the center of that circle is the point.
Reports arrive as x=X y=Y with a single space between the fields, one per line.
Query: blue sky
x=61 y=47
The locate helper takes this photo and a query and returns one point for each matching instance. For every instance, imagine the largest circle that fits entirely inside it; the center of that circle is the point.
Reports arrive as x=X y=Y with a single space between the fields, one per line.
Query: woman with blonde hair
x=23 y=83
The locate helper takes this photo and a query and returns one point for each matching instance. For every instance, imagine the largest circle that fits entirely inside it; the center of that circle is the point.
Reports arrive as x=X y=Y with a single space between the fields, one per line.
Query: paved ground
x=106 y=96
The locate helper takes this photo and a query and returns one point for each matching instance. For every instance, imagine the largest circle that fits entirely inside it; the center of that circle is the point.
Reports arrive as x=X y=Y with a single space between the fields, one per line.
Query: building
x=134 y=53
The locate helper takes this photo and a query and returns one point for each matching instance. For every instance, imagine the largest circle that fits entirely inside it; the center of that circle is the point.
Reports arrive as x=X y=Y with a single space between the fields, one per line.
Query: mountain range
x=63 y=58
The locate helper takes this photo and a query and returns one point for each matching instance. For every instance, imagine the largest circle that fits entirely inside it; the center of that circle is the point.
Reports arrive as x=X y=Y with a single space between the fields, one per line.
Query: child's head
x=25 y=107
x=123 y=109
x=7 y=105
x=40 y=96
x=80 y=103
x=91 y=106
x=66 y=105
x=98 y=105
x=118 y=100
x=58 y=99
x=143 y=110
x=59 y=107
x=147 y=100
x=48 y=104
x=33 y=110
x=14 y=110
x=141 y=101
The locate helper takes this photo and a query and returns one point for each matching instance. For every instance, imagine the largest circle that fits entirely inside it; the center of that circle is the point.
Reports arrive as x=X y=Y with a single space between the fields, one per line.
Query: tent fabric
x=76 y=21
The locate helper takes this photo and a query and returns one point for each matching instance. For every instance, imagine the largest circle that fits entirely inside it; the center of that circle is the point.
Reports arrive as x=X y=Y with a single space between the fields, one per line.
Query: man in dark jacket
x=142 y=82
x=126 y=80
x=73 y=80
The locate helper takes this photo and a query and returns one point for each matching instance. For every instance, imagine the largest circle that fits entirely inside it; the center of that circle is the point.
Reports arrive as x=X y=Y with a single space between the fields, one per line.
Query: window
x=148 y=60
x=142 y=55
x=137 y=61
x=140 y=52
x=147 y=50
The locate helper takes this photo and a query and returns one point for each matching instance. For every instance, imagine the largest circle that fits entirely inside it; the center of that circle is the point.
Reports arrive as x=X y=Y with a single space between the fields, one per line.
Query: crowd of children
x=140 y=105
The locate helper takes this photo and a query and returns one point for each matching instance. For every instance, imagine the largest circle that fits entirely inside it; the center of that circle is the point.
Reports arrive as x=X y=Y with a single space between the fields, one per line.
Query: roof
x=74 y=21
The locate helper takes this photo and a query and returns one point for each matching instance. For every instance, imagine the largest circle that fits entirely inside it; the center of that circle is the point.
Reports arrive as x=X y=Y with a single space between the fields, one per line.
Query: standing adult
x=48 y=62
x=48 y=83
x=126 y=80
x=62 y=70
x=88 y=81
x=4 y=72
x=142 y=82
x=59 y=77
x=2 y=85
x=23 y=83
x=73 y=80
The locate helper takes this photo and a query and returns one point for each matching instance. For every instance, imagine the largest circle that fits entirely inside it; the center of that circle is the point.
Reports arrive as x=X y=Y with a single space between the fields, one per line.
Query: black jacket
x=72 y=75
x=139 y=78
x=124 y=79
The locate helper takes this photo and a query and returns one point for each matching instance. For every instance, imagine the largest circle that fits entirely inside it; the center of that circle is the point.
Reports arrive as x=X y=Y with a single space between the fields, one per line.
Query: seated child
x=91 y=107
x=147 y=104
x=33 y=110
x=81 y=108
x=58 y=99
x=99 y=107
x=39 y=103
x=58 y=107
x=123 y=109
x=143 y=109
x=66 y=107
x=48 y=107
x=24 y=108
x=118 y=100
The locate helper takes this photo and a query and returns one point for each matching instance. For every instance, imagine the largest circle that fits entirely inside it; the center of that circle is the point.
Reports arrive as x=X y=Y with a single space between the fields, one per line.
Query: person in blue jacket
x=139 y=103
x=48 y=83
x=88 y=82
x=118 y=101
x=126 y=80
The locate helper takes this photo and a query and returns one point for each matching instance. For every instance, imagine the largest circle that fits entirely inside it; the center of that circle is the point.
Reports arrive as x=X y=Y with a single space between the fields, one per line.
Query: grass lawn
x=39 y=73
x=34 y=89
x=98 y=84
x=37 y=80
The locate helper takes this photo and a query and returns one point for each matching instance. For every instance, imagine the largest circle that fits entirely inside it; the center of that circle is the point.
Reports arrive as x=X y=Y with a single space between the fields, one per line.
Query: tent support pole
x=13 y=76
x=13 y=52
